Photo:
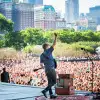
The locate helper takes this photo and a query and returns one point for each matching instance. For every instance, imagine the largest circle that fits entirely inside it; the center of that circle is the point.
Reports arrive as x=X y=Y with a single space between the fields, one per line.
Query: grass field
x=62 y=49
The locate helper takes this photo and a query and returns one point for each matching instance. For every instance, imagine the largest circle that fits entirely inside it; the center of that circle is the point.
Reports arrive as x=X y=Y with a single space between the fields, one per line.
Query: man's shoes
x=53 y=97
x=44 y=93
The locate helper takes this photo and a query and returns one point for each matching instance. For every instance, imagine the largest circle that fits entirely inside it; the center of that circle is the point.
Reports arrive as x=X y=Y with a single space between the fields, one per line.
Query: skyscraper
x=71 y=10
x=31 y=1
x=16 y=1
x=6 y=8
x=5 y=1
x=94 y=13
x=44 y=17
x=23 y=18
x=36 y=2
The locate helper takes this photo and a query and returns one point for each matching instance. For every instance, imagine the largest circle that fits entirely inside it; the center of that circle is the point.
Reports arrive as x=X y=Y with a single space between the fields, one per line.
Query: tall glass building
x=5 y=1
x=94 y=13
x=71 y=10
x=36 y=2
x=23 y=18
x=6 y=8
x=31 y=1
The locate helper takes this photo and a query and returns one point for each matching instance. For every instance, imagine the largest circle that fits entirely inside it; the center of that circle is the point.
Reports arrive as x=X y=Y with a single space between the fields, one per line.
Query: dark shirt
x=5 y=77
x=48 y=59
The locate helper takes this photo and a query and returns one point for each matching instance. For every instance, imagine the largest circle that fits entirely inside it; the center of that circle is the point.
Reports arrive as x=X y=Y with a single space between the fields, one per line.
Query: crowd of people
x=21 y=71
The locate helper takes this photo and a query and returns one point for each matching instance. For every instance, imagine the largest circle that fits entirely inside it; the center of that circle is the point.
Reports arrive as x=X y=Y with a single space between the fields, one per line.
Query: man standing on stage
x=47 y=62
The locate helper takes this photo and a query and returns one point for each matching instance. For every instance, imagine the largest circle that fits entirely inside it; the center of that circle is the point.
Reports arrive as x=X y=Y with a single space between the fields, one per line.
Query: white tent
x=98 y=50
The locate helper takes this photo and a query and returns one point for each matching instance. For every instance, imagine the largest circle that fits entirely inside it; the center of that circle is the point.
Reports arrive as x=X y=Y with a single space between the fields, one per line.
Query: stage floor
x=20 y=92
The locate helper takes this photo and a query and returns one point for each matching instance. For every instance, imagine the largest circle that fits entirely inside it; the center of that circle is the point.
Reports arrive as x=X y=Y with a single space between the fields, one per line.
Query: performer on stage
x=47 y=62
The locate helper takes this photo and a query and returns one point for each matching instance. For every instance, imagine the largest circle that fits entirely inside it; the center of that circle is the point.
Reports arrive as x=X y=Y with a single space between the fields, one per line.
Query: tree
x=2 y=40
x=66 y=36
x=49 y=35
x=14 y=39
x=97 y=36
x=20 y=40
x=5 y=24
x=33 y=36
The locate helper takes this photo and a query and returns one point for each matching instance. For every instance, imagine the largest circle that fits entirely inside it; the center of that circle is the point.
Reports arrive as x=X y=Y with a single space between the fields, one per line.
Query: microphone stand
x=95 y=95
x=93 y=65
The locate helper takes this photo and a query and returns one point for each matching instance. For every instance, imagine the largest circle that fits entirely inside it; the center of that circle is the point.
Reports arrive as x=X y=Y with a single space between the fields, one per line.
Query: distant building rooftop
x=46 y=7
x=95 y=8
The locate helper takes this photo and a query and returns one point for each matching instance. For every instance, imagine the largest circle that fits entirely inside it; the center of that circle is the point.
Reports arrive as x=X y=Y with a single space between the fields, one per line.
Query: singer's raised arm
x=55 y=40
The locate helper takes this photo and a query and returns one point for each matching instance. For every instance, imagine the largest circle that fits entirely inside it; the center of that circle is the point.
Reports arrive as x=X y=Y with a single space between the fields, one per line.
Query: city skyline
x=33 y=16
x=84 y=5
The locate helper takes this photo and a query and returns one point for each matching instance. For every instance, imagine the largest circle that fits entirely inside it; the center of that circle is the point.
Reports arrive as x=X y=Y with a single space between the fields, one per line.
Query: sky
x=84 y=5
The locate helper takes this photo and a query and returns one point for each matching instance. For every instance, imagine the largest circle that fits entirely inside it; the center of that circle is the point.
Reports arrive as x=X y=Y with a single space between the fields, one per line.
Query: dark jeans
x=51 y=76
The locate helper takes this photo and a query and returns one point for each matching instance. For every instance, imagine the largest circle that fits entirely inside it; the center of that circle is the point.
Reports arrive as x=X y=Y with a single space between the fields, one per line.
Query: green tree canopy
x=5 y=24
x=21 y=39
x=33 y=36
x=70 y=36
x=14 y=39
